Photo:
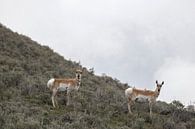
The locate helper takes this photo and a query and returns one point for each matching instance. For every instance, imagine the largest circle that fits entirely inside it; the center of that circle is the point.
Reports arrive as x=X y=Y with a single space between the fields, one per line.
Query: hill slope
x=26 y=66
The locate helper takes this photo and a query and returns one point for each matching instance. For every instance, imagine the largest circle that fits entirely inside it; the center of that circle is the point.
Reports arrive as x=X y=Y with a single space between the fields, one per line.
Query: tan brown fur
x=64 y=84
x=143 y=92
x=71 y=82
x=133 y=93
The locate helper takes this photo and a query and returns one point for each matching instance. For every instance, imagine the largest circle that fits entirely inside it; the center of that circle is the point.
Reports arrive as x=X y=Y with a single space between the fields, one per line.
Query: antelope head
x=78 y=74
x=158 y=86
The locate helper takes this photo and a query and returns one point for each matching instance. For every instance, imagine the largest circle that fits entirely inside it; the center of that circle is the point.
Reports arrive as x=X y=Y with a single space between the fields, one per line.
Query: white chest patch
x=63 y=87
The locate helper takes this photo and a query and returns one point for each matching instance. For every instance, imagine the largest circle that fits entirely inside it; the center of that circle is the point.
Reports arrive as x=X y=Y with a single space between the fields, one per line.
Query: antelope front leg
x=68 y=98
x=150 y=106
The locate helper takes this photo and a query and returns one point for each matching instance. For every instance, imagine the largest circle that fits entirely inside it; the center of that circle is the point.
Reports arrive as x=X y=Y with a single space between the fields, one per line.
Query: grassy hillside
x=25 y=101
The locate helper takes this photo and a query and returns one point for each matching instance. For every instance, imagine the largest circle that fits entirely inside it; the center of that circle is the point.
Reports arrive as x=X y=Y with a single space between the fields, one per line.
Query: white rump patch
x=50 y=82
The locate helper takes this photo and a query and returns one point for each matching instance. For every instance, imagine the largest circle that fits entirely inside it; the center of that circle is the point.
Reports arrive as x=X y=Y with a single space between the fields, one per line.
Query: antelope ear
x=162 y=82
x=156 y=82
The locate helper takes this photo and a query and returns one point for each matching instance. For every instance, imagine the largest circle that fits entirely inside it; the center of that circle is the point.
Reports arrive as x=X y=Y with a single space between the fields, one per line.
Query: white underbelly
x=63 y=87
x=141 y=98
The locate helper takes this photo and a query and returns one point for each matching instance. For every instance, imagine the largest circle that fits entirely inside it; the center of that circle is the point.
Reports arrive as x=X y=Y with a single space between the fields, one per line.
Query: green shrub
x=138 y=124
x=169 y=125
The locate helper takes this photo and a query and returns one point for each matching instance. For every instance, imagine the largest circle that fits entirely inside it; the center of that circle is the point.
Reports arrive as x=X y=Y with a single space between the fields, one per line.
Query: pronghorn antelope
x=67 y=85
x=134 y=94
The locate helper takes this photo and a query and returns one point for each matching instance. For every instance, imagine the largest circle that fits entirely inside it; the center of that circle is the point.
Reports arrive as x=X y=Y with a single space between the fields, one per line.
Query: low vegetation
x=25 y=101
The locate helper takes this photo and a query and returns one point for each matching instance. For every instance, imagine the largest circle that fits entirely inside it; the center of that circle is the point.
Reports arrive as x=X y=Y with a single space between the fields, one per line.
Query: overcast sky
x=135 y=41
